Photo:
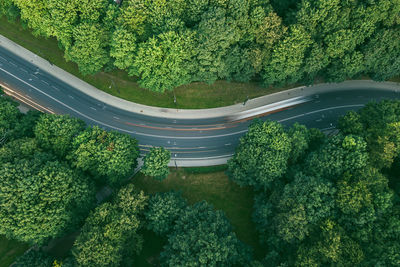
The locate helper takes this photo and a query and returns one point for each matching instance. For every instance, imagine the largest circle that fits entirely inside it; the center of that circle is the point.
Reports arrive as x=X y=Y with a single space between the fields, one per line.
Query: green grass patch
x=10 y=250
x=118 y=83
x=207 y=169
x=216 y=189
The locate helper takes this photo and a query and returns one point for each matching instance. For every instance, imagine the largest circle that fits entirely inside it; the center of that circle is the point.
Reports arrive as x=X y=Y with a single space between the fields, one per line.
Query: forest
x=320 y=200
x=168 y=43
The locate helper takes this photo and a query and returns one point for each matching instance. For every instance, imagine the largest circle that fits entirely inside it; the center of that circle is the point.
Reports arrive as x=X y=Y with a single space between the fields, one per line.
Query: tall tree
x=56 y=132
x=202 y=236
x=109 y=156
x=110 y=235
x=163 y=62
x=37 y=195
x=262 y=155
x=89 y=47
x=155 y=163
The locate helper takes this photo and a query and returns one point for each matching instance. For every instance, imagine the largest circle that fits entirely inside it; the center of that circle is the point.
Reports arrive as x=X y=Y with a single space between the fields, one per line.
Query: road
x=191 y=142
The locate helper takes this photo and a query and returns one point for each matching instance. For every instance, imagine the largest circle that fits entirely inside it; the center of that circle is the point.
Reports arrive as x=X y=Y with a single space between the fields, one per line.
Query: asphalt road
x=190 y=141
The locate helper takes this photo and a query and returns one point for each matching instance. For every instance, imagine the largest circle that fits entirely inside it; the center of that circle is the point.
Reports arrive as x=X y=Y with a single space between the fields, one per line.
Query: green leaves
x=56 y=132
x=37 y=195
x=109 y=156
x=202 y=236
x=163 y=62
x=109 y=236
x=155 y=163
x=261 y=156
x=89 y=48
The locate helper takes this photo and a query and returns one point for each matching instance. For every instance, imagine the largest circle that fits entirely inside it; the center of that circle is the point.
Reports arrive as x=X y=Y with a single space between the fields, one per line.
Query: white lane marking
x=45 y=82
x=93 y=108
x=318 y=120
x=55 y=88
x=24 y=70
x=160 y=136
x=12 y=63
x=228 y=144
x=70 y=96
x=3 y=59
x=320 y=110
x=34 y=76
x=116 y=118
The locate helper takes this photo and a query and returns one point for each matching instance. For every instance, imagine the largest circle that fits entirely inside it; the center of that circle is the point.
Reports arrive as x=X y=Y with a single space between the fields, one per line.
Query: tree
x=262 y=155
x=216 y=33
x=24 y=148
x=108 y=156
x=123 y=49
x=202 y=236
x=164 y=62
x=163 y=210
x=338 y=155
x=89 y=48
x=109 y=236
x=38 y=194
x=56 y=132
x=381 y=54
x=287 y=58
x=34 y=258
x=332 y=246
x=9 y=116
x=155 y=163
x=304 y=203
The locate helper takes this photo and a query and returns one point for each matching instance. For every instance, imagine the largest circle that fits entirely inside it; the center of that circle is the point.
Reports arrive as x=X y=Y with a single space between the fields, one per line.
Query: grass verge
x=118 y=83
x=216 y=189
x=10 y=250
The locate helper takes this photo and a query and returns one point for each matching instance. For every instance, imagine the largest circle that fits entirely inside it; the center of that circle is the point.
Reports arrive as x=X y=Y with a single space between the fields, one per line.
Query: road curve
x=192 y=142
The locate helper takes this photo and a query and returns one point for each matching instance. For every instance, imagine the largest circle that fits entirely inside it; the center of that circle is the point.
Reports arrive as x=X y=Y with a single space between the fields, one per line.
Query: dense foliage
x=109 y=236
x=197 y=234
x=155 y=163
x=334 y=205
x=170 y=43
x=107 y=155
x=42 y=194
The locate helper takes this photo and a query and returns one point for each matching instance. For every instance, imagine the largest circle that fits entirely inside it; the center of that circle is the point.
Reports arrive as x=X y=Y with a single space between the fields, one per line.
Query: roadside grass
x=118 y=83
x=10 y=250
x=216 y=189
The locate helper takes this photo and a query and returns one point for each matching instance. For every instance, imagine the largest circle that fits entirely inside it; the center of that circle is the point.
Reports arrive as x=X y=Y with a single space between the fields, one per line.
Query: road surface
x=192 y=142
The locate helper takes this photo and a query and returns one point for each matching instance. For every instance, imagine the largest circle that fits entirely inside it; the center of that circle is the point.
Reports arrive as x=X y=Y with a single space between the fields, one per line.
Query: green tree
x=9 y=116
x=163 y=211
x=338 y=155
x=110 y=235
x=89 y=48
x=38 y=195
x=204 y=237
x=262 y=155
x=34 y=258
x=123 y=49
x=155 y=163
x=332 y=246
x=108 y=156
x=304 y=203
x=163 y=62
x=287 y=57
x=56 y=132
x=217 y=32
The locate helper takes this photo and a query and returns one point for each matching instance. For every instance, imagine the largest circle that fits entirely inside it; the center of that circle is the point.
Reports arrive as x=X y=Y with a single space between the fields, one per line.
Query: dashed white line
x=24 y=70
x=228 y=144
x=12 y=63
x=93 y=108
x=70 y=96
x=116 y=118
x=55 y=88
x=45 y=82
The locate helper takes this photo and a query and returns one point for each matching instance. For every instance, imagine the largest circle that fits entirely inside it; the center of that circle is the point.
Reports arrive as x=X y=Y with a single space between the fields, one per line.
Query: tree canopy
x=170 y=43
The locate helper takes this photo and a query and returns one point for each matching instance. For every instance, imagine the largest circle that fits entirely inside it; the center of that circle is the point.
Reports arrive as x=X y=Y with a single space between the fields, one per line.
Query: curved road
x=192 y=142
